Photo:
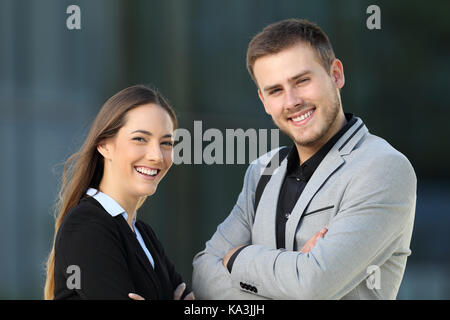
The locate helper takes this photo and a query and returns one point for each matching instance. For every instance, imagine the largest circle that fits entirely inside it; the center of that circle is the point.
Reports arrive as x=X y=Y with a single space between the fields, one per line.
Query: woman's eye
x=167 y=143
x=139 y=139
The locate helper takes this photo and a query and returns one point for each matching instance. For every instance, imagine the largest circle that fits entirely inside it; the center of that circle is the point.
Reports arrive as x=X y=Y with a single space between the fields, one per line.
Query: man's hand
x=176 y=294
x=229 y=254
x=312 y=242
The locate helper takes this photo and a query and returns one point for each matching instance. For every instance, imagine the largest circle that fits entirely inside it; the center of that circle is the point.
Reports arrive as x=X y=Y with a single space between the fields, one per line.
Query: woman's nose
x=154 y=153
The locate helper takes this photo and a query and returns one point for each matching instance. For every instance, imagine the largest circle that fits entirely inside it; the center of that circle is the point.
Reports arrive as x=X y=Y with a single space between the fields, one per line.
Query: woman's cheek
x=169 y=158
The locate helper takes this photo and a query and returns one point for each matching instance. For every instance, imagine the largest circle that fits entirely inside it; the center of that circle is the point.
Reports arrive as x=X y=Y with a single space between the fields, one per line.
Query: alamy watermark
x=74 y=279
x=231 y=146
x=73 y=21
x=374 y=20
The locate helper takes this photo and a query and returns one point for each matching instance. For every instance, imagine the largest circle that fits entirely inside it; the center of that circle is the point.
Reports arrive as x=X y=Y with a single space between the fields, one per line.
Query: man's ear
x=262 y=100
x=337 y=73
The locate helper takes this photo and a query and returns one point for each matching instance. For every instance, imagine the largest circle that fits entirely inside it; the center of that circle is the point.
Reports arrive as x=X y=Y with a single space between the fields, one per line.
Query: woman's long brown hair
x=84 y=169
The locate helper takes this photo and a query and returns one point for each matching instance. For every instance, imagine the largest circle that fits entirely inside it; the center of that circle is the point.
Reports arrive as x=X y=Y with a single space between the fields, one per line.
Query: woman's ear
x=104 y=149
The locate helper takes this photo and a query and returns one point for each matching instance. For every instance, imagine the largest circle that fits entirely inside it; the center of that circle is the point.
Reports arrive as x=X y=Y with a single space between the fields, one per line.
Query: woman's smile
x=147 y=173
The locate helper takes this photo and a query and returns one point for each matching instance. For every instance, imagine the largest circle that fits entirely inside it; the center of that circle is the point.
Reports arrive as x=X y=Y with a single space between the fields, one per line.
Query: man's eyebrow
x=299 y=75
x=270 y=87
x=148 y=133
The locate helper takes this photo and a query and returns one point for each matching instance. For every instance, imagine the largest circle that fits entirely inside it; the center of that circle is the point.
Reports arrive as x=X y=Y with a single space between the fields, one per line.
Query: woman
x=100 y=250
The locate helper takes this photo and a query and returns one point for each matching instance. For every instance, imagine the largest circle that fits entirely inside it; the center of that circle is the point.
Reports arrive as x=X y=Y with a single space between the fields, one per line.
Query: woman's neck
x=128 y=203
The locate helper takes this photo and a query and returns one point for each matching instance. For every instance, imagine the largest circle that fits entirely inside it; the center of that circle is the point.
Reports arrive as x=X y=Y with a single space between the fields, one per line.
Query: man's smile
x=303 y=117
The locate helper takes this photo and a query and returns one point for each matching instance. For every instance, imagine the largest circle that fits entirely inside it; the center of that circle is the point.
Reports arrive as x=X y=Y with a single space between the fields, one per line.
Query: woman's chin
x=147 y=191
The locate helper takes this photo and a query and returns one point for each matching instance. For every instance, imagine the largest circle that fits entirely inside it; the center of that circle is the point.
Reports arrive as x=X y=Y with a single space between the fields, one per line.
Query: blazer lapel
x=141 y=256
x=327 y=167
x=264 y=225
x=143 y=260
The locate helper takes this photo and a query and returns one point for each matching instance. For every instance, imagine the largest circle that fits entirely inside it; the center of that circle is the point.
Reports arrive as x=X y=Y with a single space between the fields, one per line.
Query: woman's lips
x=147 y=172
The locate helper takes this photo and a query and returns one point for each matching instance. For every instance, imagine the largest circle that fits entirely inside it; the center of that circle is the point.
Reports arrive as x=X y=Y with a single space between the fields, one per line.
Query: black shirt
x=296 y=178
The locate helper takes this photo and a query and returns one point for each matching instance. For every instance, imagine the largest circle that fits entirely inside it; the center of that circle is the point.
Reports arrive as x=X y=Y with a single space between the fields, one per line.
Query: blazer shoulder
x=257 y=166
x=377 y=148
x=375 y=154
x=263 y=160
x=87 y=212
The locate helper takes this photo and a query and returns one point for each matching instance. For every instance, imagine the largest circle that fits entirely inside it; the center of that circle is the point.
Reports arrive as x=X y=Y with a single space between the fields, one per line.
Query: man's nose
x=292 y=99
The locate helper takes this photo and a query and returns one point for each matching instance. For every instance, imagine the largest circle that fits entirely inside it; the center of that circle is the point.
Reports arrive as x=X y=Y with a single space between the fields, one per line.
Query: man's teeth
x=303 y=117
x=149 y=172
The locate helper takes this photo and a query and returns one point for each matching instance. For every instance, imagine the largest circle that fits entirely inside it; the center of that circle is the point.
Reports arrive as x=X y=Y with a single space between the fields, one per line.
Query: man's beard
x=328 y=120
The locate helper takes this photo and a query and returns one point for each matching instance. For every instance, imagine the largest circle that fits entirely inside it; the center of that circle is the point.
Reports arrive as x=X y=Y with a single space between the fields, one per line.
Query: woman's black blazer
x=109 y=258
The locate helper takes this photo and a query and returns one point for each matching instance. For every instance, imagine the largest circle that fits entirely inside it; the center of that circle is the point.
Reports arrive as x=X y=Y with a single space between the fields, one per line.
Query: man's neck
x=307 y=151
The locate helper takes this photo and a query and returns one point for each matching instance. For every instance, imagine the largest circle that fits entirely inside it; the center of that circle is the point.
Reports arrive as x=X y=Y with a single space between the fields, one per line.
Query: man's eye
x=274 y=91
x=303 y=80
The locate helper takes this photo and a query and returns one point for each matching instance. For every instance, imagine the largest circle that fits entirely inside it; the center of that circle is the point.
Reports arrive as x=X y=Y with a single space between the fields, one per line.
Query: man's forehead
x=286 y=64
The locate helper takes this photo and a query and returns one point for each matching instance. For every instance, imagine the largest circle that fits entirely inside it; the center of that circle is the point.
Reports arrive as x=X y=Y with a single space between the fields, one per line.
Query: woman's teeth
x=303 y=117
x=149 y=172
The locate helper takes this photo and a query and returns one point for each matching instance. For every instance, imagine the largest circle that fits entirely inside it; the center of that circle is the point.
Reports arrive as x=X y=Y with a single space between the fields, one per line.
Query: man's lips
x=301 y=113
x=303 y=117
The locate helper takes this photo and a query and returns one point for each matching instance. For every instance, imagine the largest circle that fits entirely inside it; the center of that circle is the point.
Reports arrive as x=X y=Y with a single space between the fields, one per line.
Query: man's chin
x=302 y=140
x=305 y=142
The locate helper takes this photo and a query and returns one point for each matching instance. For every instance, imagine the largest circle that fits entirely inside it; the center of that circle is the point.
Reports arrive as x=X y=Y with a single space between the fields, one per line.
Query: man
x=335 y=219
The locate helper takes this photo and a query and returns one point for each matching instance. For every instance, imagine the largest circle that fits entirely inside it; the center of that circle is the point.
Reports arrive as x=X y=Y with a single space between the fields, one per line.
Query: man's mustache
x=299 y=108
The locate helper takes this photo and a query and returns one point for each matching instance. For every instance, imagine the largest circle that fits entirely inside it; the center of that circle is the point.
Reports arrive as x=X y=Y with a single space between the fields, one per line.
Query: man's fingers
x=179 y=291
x=312 y=242
x=135 y=296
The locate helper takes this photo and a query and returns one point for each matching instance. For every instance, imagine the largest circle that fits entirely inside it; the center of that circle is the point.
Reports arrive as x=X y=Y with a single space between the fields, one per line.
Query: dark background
x=53 y=82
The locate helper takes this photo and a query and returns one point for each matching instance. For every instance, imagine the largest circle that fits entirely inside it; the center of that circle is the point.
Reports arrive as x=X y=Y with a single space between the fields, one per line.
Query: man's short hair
x=285 y=34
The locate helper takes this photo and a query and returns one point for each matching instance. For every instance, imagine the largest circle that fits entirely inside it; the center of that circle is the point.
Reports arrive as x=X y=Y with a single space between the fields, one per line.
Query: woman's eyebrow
x=142 y=131
x=148 y=133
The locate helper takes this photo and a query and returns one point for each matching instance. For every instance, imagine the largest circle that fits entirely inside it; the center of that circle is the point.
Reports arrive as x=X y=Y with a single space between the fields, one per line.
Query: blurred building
x=54 y=80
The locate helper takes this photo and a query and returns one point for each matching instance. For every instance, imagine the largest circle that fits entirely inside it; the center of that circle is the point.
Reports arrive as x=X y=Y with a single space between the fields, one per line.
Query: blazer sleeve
x=210 y=279
x=90 y=240
x=377 y=208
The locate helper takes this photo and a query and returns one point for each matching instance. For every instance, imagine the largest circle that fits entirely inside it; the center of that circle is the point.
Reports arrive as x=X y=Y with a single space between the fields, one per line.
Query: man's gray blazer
x=364 y=190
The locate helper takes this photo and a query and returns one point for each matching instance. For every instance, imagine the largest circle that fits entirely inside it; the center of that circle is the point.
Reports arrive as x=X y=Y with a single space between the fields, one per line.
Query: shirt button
x=298 y=179
x=287 y=215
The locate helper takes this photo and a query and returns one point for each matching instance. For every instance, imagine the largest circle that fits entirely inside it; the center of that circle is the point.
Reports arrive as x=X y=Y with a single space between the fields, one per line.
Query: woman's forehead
x=149 y=117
